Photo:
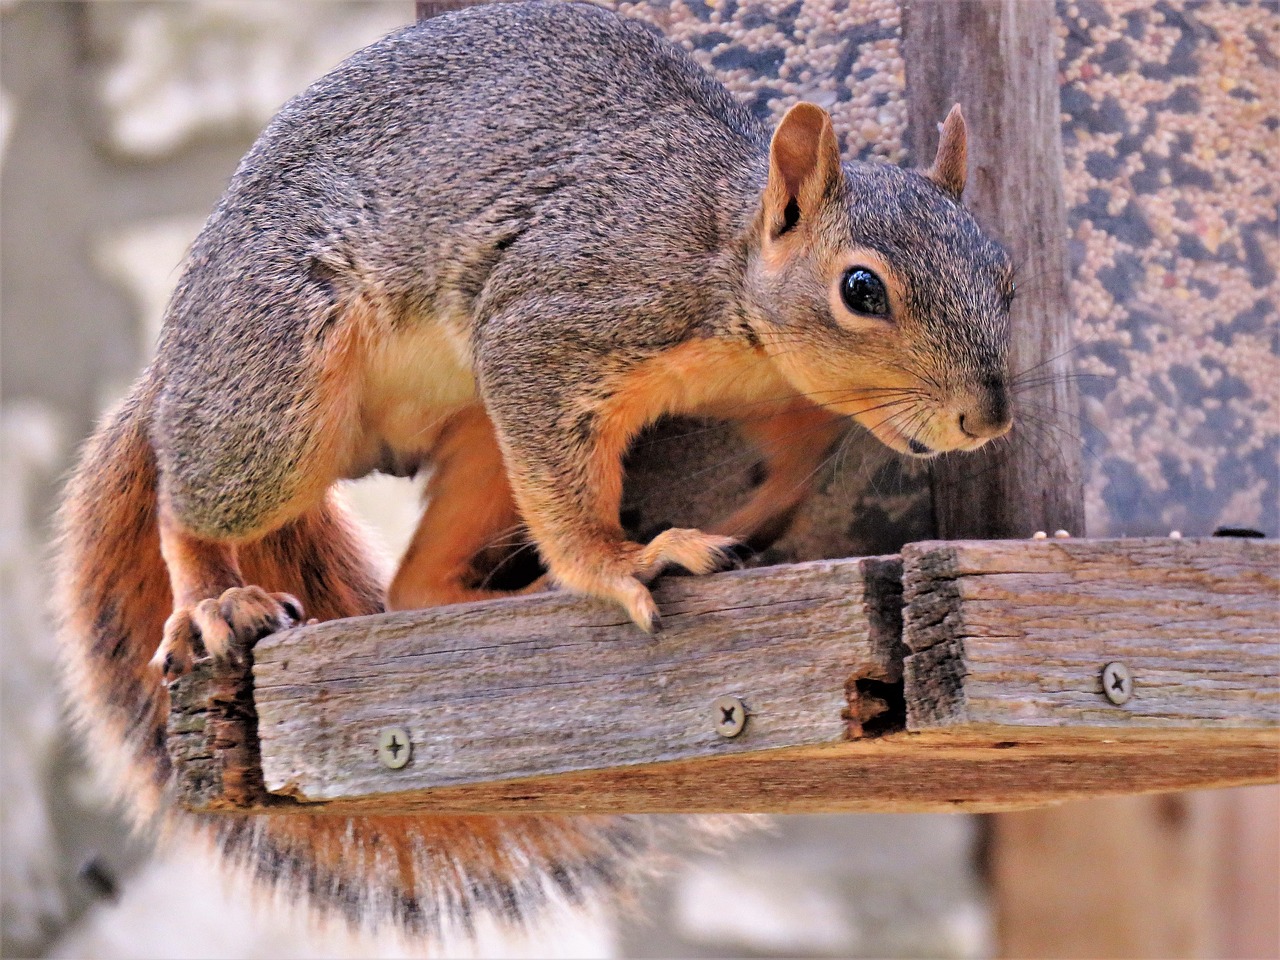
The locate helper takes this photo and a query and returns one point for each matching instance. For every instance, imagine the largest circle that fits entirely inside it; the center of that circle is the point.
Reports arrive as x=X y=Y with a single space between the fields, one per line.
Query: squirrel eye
x=863 y=292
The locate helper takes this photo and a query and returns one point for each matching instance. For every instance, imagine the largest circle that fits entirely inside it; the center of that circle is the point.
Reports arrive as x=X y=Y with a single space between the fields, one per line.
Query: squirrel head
x=876 y=293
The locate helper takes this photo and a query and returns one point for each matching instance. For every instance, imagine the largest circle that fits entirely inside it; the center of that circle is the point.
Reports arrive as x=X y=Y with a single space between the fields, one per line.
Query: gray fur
x=580 y=211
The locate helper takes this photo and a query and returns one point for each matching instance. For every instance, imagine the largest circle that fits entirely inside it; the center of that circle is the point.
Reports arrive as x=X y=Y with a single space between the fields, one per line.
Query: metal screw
x=1117 y=682
x=730 y=716
x=394 y=747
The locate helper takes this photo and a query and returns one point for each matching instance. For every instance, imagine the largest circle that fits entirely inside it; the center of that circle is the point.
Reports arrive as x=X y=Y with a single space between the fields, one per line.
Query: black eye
x=864 y=292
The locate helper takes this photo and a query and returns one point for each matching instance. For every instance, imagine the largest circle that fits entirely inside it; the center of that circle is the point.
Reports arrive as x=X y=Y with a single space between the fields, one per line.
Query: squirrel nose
x=977 y=427
x=988 y=416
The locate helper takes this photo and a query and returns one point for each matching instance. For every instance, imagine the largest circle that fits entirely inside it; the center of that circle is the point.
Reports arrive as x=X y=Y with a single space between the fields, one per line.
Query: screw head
x=729 y=715
x=1117 y=682
x=394 y=747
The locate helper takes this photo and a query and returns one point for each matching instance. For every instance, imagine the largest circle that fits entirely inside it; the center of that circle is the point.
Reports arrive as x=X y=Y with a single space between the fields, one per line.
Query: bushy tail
x=426 y=874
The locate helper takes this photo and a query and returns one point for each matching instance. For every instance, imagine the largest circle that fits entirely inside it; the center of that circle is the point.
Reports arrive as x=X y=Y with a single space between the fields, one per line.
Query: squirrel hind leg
x=470 y=515
x=322 y=557
x=214 y=611
x=793 y=443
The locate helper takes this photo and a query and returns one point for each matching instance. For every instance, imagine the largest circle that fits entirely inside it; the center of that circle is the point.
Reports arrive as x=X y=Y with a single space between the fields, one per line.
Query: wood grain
x=1017 y=632
x=213 y=739
x=997 y=58
x=512 y=688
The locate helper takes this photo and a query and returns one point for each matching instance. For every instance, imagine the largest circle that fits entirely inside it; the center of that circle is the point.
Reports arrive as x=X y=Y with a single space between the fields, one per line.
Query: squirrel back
x=499 y=243
x=458 y=165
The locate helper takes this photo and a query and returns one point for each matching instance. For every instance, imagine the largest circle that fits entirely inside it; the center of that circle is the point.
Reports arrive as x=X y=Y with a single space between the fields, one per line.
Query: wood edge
x=931 y=610
x=213 y=740
x=934 y=684
x=975 y=746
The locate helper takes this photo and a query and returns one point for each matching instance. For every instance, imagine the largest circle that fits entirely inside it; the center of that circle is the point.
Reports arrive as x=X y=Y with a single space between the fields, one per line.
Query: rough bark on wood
x=1017 y=632
x=513 y=688
x=213 y=739
x=997 y=58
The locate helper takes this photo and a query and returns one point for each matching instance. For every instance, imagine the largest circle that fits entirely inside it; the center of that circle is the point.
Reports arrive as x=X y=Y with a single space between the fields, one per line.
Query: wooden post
x=1149 y=866
x=997 y=58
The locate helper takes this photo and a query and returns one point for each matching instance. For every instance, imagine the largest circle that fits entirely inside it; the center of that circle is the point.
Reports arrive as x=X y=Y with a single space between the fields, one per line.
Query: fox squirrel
x=498 y=243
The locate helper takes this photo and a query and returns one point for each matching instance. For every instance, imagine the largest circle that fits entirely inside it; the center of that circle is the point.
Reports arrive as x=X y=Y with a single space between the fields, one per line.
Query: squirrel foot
x=223 y=628
x=693 y=550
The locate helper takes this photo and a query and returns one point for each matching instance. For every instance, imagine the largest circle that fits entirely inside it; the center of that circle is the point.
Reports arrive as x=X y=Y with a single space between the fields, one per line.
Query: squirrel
x=497 y=243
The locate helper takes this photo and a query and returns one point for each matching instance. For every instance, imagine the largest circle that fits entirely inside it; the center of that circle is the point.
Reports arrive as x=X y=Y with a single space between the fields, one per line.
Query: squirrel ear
x=804 y=162
x=950 y=166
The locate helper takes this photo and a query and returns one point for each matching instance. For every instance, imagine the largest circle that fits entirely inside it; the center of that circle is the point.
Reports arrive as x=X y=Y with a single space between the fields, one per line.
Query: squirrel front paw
x=223 y=628
x=625 y=580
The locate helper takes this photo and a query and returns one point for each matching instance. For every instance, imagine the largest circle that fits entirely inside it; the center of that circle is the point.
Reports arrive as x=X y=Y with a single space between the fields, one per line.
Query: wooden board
x=556 y=703
x=1017 y=633
x=512 y=688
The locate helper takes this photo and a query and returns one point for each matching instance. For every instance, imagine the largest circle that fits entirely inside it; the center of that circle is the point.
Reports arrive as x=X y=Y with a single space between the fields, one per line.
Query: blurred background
x=119 y=125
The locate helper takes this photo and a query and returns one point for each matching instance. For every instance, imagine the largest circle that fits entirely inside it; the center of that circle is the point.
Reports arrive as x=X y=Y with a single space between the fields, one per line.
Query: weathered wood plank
x=980 y=769
x=555 y=703
x=1017 y=632
x=513 y=688
x=997 y=59
x=213 y=740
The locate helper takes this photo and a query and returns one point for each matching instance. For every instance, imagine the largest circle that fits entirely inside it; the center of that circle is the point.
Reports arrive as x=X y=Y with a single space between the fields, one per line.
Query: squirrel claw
x=639 y=604
x=734 y=557
x=223 y=628
x=173 y=657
